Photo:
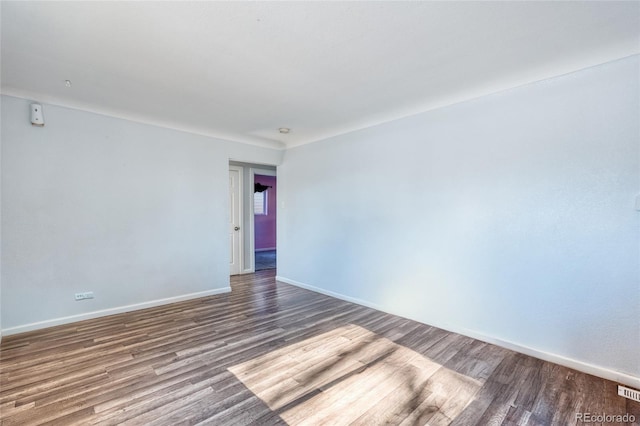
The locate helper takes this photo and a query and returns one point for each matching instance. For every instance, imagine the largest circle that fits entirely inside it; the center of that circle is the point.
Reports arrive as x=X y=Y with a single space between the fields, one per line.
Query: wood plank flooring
x=271 y=354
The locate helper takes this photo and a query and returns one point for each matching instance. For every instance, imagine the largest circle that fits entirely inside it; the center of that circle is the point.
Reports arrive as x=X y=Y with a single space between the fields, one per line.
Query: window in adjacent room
x=260 y=203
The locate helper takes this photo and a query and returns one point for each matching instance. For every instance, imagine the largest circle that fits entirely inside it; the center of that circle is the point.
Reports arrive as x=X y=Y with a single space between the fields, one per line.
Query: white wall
x=0 y=220
x=132 y=212
x=510 y=217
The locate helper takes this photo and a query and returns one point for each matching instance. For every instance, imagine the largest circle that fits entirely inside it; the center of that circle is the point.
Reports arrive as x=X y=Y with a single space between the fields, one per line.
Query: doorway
x=243 y=218
x=265 y=202
x=235 y=219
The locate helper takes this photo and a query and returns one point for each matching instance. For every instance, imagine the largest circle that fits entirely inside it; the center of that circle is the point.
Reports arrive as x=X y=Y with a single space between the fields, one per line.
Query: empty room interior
x=320 y=213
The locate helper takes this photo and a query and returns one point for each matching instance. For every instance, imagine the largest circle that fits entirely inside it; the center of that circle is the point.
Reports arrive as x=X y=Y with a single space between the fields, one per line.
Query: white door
x=235 y=218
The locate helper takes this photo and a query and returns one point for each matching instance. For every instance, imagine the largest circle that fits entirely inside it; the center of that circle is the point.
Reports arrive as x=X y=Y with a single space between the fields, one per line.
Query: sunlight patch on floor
x=350 y=375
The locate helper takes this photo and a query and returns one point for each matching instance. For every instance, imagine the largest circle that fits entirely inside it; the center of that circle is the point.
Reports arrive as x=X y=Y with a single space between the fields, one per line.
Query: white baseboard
x=595 y=370
x=266 y=249
x=331 y=293
x=110 y=311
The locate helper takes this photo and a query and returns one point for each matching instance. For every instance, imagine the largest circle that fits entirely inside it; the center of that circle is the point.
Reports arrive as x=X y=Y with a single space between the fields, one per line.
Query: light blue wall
x=511 y=216
x=132 y=212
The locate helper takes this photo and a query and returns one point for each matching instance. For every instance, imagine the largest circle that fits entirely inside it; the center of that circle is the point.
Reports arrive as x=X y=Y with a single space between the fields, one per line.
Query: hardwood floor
x=269 y=353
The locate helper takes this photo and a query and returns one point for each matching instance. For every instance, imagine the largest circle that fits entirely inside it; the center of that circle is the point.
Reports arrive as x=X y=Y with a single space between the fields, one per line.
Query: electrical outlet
x=629 y=393
x=85 y=295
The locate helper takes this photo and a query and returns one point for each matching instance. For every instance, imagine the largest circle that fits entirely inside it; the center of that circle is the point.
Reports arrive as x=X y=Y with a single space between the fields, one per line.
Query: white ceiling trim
x=503 y=86
x=136 y=118
x=261 y=142
x=239 y=71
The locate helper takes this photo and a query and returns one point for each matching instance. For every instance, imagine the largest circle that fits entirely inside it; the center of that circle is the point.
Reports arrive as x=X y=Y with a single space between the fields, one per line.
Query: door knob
x=236 y=228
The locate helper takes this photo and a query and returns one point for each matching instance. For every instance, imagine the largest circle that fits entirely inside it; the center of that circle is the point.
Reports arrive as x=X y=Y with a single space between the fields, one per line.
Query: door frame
x=240 y=171
x=253 y=171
